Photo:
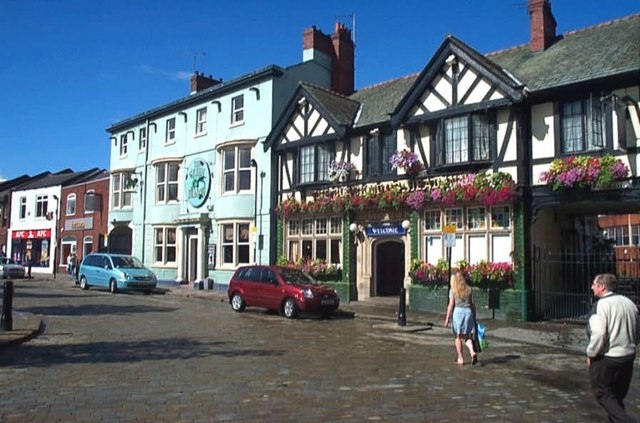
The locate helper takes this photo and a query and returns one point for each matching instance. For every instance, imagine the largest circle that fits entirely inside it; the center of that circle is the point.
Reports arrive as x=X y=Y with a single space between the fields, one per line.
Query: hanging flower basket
x=593 y=172
x=408 y=161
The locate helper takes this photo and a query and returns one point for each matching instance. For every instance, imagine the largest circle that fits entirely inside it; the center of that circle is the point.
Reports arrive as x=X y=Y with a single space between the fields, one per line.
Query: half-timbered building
x=466 y=158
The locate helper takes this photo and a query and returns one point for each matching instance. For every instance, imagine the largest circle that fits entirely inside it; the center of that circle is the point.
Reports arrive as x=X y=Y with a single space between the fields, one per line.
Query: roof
x=63 y=178
x=379 y=101
x=591 y=53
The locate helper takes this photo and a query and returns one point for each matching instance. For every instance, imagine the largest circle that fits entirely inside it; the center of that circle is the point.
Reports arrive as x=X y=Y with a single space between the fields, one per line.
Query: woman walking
x=460 y=313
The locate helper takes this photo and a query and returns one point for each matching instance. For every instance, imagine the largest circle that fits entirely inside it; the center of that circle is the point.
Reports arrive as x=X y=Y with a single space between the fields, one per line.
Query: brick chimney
x=200 y=82
x=339 y=49
x=543 y=25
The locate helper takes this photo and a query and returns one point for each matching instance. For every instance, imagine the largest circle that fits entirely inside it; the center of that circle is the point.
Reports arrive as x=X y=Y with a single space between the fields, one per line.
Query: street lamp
x=255 y=206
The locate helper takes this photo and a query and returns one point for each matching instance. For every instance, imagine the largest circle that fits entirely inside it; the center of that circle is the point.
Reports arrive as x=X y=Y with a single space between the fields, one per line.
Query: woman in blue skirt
x=460 y=313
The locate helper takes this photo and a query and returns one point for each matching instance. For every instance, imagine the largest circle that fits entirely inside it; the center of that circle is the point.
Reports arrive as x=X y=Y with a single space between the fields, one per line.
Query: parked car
x=10 y=269
x=118 y=272
x=283 y=289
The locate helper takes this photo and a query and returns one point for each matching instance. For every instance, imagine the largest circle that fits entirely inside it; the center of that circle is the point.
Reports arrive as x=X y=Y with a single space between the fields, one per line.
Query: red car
x=283 y=289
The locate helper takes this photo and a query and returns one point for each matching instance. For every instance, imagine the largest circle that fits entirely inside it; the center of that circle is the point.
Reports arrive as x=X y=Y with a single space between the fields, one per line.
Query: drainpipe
x=143 y=187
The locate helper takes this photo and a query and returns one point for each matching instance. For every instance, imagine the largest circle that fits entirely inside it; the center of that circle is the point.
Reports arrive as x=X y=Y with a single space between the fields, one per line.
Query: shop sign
x=198 y=182
x=78 y=224
x=31 y=234
x=385 y=230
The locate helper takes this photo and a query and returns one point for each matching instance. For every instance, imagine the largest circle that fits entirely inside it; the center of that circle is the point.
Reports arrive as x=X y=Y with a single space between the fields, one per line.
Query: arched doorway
x=389 y=271
x=120 y=240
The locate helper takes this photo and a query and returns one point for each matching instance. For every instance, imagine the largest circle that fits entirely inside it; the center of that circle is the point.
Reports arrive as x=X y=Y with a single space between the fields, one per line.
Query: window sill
x=235 y=124
x=200 y=134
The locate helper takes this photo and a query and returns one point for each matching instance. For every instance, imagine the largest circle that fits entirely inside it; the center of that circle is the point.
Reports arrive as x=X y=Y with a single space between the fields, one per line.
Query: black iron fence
x=561 y=288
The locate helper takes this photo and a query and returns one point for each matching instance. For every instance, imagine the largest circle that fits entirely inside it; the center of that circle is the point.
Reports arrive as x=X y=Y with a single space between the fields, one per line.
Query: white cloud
x=173 y=75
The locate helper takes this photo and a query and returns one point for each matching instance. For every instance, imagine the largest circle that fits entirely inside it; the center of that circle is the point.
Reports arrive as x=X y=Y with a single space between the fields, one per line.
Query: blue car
x=117 y=272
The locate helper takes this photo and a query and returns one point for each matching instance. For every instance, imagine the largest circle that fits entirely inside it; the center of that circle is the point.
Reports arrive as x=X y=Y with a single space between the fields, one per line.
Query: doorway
x=389 y=268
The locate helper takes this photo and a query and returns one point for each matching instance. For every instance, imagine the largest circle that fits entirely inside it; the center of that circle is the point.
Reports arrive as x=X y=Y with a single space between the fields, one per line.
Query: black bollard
x=6 y=321
x=402 y=309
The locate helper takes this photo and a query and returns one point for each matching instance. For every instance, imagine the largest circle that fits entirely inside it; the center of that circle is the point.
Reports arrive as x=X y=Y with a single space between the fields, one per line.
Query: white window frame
x=165 y=246
x=71 y=205
x=121 y=190
x=42 y=204
x=201 y=121
x=237 y=110
x=234 y=236
x=236 y=171
x=124 y=145
x=170 y=131
x=308 y=233
x=22 y=210
x=142 y=139
x=167 y=189
x=87 y=194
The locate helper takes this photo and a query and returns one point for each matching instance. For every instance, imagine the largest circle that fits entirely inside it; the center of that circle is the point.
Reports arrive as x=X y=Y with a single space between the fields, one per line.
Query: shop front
x=33 y=247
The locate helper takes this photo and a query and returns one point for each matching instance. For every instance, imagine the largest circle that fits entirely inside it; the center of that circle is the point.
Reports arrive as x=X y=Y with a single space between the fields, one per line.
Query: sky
x=69 y=69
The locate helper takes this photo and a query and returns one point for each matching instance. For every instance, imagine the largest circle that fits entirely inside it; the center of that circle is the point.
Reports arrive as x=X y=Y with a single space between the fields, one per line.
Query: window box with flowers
x=318 y=268
x=586 y=172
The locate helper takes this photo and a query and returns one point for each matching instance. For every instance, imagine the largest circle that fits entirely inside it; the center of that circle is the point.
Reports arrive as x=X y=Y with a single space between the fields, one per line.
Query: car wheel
x=290 y=310
x=113 y=286
x=237 y=303
x=83 y=283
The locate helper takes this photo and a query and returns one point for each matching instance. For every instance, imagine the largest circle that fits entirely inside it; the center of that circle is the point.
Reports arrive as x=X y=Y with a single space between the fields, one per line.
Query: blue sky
x=69 y=69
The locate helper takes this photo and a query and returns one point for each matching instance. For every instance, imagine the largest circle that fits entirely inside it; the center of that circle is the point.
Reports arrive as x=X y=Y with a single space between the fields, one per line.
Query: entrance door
x=192 y=254
x=389 y=268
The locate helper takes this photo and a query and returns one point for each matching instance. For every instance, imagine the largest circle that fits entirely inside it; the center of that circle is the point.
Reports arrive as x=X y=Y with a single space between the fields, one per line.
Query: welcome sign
x=385 y=230
x=197 y=183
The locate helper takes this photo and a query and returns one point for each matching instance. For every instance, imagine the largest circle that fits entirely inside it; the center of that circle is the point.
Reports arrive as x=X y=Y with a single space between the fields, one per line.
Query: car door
x=250 y=283
x=271 y=289
x=103 y=270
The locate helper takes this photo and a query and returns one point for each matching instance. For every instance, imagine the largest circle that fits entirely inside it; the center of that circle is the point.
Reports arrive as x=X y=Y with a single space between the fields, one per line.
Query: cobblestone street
x=132 y=357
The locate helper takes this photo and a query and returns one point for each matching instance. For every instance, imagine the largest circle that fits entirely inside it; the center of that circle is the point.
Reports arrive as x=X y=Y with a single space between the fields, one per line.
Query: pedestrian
x=614 y=334
x=71 y=263
x=460 y=313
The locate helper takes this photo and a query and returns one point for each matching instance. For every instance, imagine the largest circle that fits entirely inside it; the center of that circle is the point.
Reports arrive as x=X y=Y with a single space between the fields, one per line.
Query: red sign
x=32 y=234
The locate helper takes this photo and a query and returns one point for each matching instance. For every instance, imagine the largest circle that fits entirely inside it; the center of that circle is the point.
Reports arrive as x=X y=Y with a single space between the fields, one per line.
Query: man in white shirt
x=614 y=334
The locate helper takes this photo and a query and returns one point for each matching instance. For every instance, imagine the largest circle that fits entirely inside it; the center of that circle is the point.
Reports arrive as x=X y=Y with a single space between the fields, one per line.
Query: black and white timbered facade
x=509 y=114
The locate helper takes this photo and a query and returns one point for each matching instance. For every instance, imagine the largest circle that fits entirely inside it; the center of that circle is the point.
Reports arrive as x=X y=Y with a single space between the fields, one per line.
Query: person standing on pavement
x=460 y=312
x=614 y=334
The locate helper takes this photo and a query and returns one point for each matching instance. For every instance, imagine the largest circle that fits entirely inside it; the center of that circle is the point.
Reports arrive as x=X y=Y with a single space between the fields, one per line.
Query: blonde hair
x=459 y=287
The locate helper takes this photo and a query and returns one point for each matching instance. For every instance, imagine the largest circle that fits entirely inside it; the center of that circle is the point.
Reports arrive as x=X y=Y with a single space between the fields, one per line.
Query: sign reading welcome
x=385 y=230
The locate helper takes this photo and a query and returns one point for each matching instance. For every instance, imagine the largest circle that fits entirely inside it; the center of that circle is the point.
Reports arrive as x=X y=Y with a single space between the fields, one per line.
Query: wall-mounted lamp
x=257 y=91
x=219 y=105
x=356 y=230
x=406 y=225
x=353 y=227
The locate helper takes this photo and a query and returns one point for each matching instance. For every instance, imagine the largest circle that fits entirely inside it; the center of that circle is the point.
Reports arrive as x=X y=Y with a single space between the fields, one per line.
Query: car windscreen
x=291 y=276
x=126 y=262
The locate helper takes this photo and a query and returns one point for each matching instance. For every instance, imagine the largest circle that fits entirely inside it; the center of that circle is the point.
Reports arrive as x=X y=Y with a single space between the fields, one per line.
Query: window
x=165 y=245
x=91 y=201
x=315 y=238
x=142 y=139
x=236 y=169
x=167 y=182
x=379 y=149
x=71 y=204
x=123 y=145
x=170 y=134
x=477 y=238
x=237 y=109
x=201 y=121
x=463 y=139
x=582 y=125
x=42 y=201
x=314 y=163
x=235 y=243
x=22 y=214
x=121 y=190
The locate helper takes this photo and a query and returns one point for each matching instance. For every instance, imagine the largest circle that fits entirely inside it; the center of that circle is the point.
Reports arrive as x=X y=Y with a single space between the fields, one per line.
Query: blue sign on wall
x=385 y=230
x=198 y=182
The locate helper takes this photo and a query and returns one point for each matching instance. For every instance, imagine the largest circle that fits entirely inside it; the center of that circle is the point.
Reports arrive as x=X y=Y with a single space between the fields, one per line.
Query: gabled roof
x=338 y=110
x=379 y=101
x=453 y=46
x=12 y=183
x=63 y=177
x=606 y=50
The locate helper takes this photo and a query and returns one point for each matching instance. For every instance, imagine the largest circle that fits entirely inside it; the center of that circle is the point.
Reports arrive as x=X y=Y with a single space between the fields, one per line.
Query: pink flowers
x=407 y=161
x=584 y=172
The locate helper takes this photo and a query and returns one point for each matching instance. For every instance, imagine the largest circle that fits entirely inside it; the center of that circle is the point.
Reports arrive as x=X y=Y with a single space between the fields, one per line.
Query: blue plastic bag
x=484 y=344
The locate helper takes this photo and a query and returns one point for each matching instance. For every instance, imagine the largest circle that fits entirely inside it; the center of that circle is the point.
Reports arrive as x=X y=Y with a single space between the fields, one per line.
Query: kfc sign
x=32 y=234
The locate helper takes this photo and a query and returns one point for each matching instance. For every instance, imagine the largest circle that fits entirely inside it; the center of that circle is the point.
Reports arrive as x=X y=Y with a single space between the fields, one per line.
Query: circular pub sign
x=198 y=182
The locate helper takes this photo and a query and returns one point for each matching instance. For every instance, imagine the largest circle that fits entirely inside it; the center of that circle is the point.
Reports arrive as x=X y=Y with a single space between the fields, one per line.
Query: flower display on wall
x=338 y=170
x=483 y=275
x=484 y=188
x=584 y=172
x=406 y=160
x=315 y=267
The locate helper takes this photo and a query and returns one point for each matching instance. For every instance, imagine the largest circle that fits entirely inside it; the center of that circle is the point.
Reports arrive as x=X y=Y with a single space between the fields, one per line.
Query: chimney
x=200 y=82
x=338 y=49
x=342 y=72
x=543 y=25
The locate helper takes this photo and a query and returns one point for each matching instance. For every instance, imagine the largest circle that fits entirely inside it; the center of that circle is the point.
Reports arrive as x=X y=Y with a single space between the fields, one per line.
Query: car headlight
x=126 y=275
x=307 y=293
